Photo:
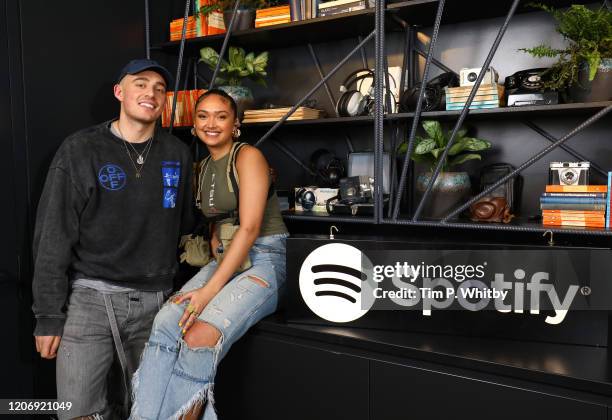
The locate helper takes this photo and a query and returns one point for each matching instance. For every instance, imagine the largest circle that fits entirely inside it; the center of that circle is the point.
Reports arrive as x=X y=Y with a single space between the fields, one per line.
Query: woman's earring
x=236 y=133
x=193 y=133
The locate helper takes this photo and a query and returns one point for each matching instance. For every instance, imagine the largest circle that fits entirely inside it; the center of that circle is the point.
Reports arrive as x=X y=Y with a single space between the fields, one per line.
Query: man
x=116 y=199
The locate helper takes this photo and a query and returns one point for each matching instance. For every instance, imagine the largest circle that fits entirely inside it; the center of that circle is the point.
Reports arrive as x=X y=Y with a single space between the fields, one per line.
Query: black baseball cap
x=139 y=65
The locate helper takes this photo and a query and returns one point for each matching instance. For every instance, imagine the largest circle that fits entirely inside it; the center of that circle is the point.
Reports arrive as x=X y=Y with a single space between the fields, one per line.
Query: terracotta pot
x=449 y=191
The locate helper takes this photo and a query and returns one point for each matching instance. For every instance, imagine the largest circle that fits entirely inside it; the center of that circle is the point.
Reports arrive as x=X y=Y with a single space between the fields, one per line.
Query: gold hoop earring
x=236 y=133
x=193 y=133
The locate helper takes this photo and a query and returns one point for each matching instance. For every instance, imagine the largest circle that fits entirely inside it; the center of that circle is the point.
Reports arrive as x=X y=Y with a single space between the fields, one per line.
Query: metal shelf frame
x=398 y=127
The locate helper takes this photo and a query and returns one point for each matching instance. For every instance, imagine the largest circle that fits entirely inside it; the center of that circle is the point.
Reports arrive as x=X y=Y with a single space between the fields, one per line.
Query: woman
x=194 y=331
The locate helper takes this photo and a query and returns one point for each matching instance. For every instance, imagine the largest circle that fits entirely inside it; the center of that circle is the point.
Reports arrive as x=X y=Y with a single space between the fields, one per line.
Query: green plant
x=589 y=36
x=428 y=150
x=221 y=5
x=239 y=66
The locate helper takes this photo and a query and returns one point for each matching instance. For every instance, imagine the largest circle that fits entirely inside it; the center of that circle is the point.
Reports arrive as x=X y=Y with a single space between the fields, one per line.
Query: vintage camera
x=313 y=198
x=569 y=173
x=467 y=77
x=356 y=189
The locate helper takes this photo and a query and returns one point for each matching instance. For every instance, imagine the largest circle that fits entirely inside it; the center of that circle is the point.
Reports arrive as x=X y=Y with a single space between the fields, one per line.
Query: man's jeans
x=87 y=351
x=172 y=377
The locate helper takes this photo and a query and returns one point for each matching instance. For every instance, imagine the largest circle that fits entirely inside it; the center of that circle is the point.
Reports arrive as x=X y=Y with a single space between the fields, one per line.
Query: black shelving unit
x=405 y=15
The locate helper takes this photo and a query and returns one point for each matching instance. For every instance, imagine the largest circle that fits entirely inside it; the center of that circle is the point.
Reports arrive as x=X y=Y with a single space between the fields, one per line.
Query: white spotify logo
x=335 y=282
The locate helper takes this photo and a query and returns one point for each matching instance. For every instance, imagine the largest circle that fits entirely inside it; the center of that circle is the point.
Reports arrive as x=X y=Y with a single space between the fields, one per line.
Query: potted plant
x=232 y=72
x=584 y=67
x=450 y=188
x=245 y=15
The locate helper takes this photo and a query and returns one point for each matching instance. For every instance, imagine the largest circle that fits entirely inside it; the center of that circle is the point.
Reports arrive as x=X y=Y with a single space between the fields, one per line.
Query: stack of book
x=575 y=205
x=341 y=6
x=185 y=106
x=275 y=114
x=272 y=16
x=487 y=96
x=176 y=28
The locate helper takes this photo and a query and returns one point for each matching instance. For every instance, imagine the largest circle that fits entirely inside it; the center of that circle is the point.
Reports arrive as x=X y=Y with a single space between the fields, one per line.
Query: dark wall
x=62 y=61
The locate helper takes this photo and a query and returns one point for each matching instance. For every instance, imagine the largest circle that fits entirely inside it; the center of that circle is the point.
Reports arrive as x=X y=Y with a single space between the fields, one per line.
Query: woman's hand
x=198 y=299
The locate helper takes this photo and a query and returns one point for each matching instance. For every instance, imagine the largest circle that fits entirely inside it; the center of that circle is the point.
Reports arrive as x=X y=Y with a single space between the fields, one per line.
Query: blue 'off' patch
x=112 y=177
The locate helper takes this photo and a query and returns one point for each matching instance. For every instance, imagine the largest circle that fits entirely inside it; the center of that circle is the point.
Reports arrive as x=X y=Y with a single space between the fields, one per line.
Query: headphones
x=327 y=167
x=434 y=97
x=306 y=198
x=353 y=103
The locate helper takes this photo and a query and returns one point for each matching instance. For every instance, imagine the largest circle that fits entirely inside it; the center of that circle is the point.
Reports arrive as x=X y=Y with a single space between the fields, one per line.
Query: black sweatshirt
x=97 y=220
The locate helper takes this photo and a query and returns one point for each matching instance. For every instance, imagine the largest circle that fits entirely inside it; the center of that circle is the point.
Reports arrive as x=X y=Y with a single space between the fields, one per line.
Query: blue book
x=608 y=201
x=573 y=200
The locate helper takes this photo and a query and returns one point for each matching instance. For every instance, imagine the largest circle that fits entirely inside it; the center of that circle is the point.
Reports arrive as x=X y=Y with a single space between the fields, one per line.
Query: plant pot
x=596 y=90
x=242 y=95
x=449 y=191
x=245 y=19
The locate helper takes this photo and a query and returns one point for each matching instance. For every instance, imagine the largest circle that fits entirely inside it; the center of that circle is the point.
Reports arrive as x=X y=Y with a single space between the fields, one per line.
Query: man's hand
x=47 y=345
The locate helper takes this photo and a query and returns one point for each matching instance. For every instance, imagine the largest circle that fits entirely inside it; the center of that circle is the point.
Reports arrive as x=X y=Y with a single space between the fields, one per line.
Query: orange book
x=185 y=107
x=176 y=28
x=575 y=212
x=577 y=188
x=272 y=11
x=576 y=224
x=271 y=23
x=584 y=220
x=215 y=23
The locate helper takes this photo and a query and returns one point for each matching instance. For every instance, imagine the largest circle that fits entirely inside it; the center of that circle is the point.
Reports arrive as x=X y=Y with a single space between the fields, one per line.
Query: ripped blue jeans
x=173 y=377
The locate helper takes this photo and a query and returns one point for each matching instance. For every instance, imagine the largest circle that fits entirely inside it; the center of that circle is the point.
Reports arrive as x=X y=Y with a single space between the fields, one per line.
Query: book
x=577 y=188
x=271 y=11
x=270 y=18
x=176 y=28
x=577 y=223
x=334 y=3
x=573 y=200
x=608 y=204
x=593 y=195
x=271 y=23
x=573 y=206
x=341 y=9
x=185 y=106
x=574 y=213
x=295 y=10
x=600 y=218
x=352 y=3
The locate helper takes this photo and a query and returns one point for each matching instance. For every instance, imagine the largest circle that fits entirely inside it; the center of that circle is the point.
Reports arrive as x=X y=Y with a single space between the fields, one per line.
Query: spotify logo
x=336 y=282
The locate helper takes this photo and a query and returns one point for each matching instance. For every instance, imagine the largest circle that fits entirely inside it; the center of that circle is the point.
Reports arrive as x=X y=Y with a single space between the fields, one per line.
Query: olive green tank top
x=216 y=198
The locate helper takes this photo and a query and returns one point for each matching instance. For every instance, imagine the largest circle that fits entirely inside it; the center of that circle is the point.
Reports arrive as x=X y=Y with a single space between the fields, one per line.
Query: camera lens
x=472 y=77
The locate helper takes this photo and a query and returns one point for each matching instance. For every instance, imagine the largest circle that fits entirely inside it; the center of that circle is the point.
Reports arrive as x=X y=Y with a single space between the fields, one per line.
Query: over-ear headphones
x=327 y=167
x=353 y=103
x=434 y=97
x=306 y=198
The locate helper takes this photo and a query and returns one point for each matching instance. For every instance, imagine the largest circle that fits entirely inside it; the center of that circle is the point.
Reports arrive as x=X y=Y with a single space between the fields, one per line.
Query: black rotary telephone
x=434 y=97
x=525 y=81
